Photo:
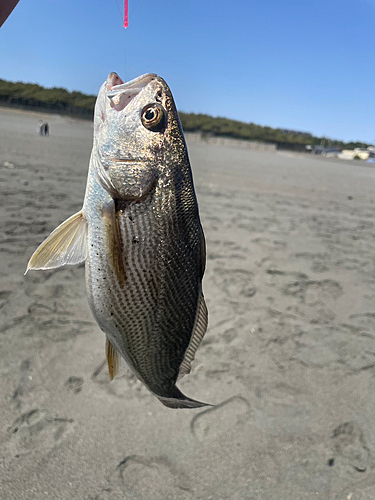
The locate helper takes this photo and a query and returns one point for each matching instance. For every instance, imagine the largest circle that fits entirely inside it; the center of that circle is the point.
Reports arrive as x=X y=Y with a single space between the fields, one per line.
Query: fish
x=140 y=236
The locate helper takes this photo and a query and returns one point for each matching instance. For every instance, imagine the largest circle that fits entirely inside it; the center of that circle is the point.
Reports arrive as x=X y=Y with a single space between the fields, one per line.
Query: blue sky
x=303 y=65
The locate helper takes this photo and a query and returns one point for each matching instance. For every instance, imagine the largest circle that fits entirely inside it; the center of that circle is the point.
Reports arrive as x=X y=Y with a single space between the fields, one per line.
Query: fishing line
x=119 y=9
x=126 y=22
x=133 y=9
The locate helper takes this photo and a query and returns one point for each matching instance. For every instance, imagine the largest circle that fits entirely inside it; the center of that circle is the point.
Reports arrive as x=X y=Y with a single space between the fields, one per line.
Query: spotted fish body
x=143 y=243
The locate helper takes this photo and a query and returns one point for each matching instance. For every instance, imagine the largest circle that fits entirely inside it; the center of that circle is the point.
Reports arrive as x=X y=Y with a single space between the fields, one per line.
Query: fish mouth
x=137 y=83
x=121 y=95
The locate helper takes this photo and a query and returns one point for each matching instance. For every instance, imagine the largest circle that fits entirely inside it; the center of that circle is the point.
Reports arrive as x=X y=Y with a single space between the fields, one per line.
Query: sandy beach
x=288 y=360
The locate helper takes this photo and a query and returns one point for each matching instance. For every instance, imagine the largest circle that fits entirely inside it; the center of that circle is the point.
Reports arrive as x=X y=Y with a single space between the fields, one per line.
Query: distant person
x=41 y=127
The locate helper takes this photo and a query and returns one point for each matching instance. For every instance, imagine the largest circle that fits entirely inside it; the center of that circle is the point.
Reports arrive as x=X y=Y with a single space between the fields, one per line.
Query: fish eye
x=153 y=117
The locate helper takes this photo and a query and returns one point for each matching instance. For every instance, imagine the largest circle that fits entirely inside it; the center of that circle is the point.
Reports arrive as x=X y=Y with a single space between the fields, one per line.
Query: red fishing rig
x=126 y=14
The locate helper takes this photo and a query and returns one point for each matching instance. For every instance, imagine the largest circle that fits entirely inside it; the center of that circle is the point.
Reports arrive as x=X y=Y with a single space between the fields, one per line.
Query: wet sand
x=288 y=359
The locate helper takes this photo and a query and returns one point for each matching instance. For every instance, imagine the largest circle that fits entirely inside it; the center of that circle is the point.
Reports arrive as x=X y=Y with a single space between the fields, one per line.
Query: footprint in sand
x=221 y=418
x=125 y=385
x=237 y=284
x=364 y=322
x=74 y=384
x=100 y=374
x=136 y=476
x=226 y=250
x=4 y=295
x=35 y=429
x=23 y=383
x=349 y=448
x=50 y=323
x=311 y=291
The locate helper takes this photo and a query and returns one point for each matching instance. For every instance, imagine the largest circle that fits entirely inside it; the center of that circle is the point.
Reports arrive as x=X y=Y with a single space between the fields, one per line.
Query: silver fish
x=140 y=234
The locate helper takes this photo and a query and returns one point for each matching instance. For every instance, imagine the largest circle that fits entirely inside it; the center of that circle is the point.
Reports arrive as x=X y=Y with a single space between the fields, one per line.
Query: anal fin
x=67 y=244
x=113 y=359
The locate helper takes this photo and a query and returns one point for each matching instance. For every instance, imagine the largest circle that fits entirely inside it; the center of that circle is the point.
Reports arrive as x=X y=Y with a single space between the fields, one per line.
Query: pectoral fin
x=113 y=239
x=113 y=359
x=67 y=244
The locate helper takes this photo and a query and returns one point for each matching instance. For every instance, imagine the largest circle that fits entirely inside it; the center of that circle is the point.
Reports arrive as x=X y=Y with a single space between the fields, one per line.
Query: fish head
x=135 y=124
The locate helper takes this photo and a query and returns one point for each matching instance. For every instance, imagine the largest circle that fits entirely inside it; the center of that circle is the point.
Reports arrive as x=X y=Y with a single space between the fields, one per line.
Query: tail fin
x=178 y=400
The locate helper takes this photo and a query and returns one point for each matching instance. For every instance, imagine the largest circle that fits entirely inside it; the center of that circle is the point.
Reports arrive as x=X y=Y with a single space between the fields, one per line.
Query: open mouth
x=122 y=94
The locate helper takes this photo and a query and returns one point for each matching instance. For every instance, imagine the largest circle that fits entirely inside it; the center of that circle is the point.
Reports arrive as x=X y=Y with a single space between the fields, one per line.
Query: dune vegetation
x=32 y=96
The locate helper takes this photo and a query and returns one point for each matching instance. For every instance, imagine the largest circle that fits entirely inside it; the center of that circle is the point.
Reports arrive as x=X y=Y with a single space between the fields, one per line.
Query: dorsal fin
x=67 y=244
x=199 y=330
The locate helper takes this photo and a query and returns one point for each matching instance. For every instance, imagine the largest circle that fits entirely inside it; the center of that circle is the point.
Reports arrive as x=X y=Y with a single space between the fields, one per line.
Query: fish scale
x=151 y=323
